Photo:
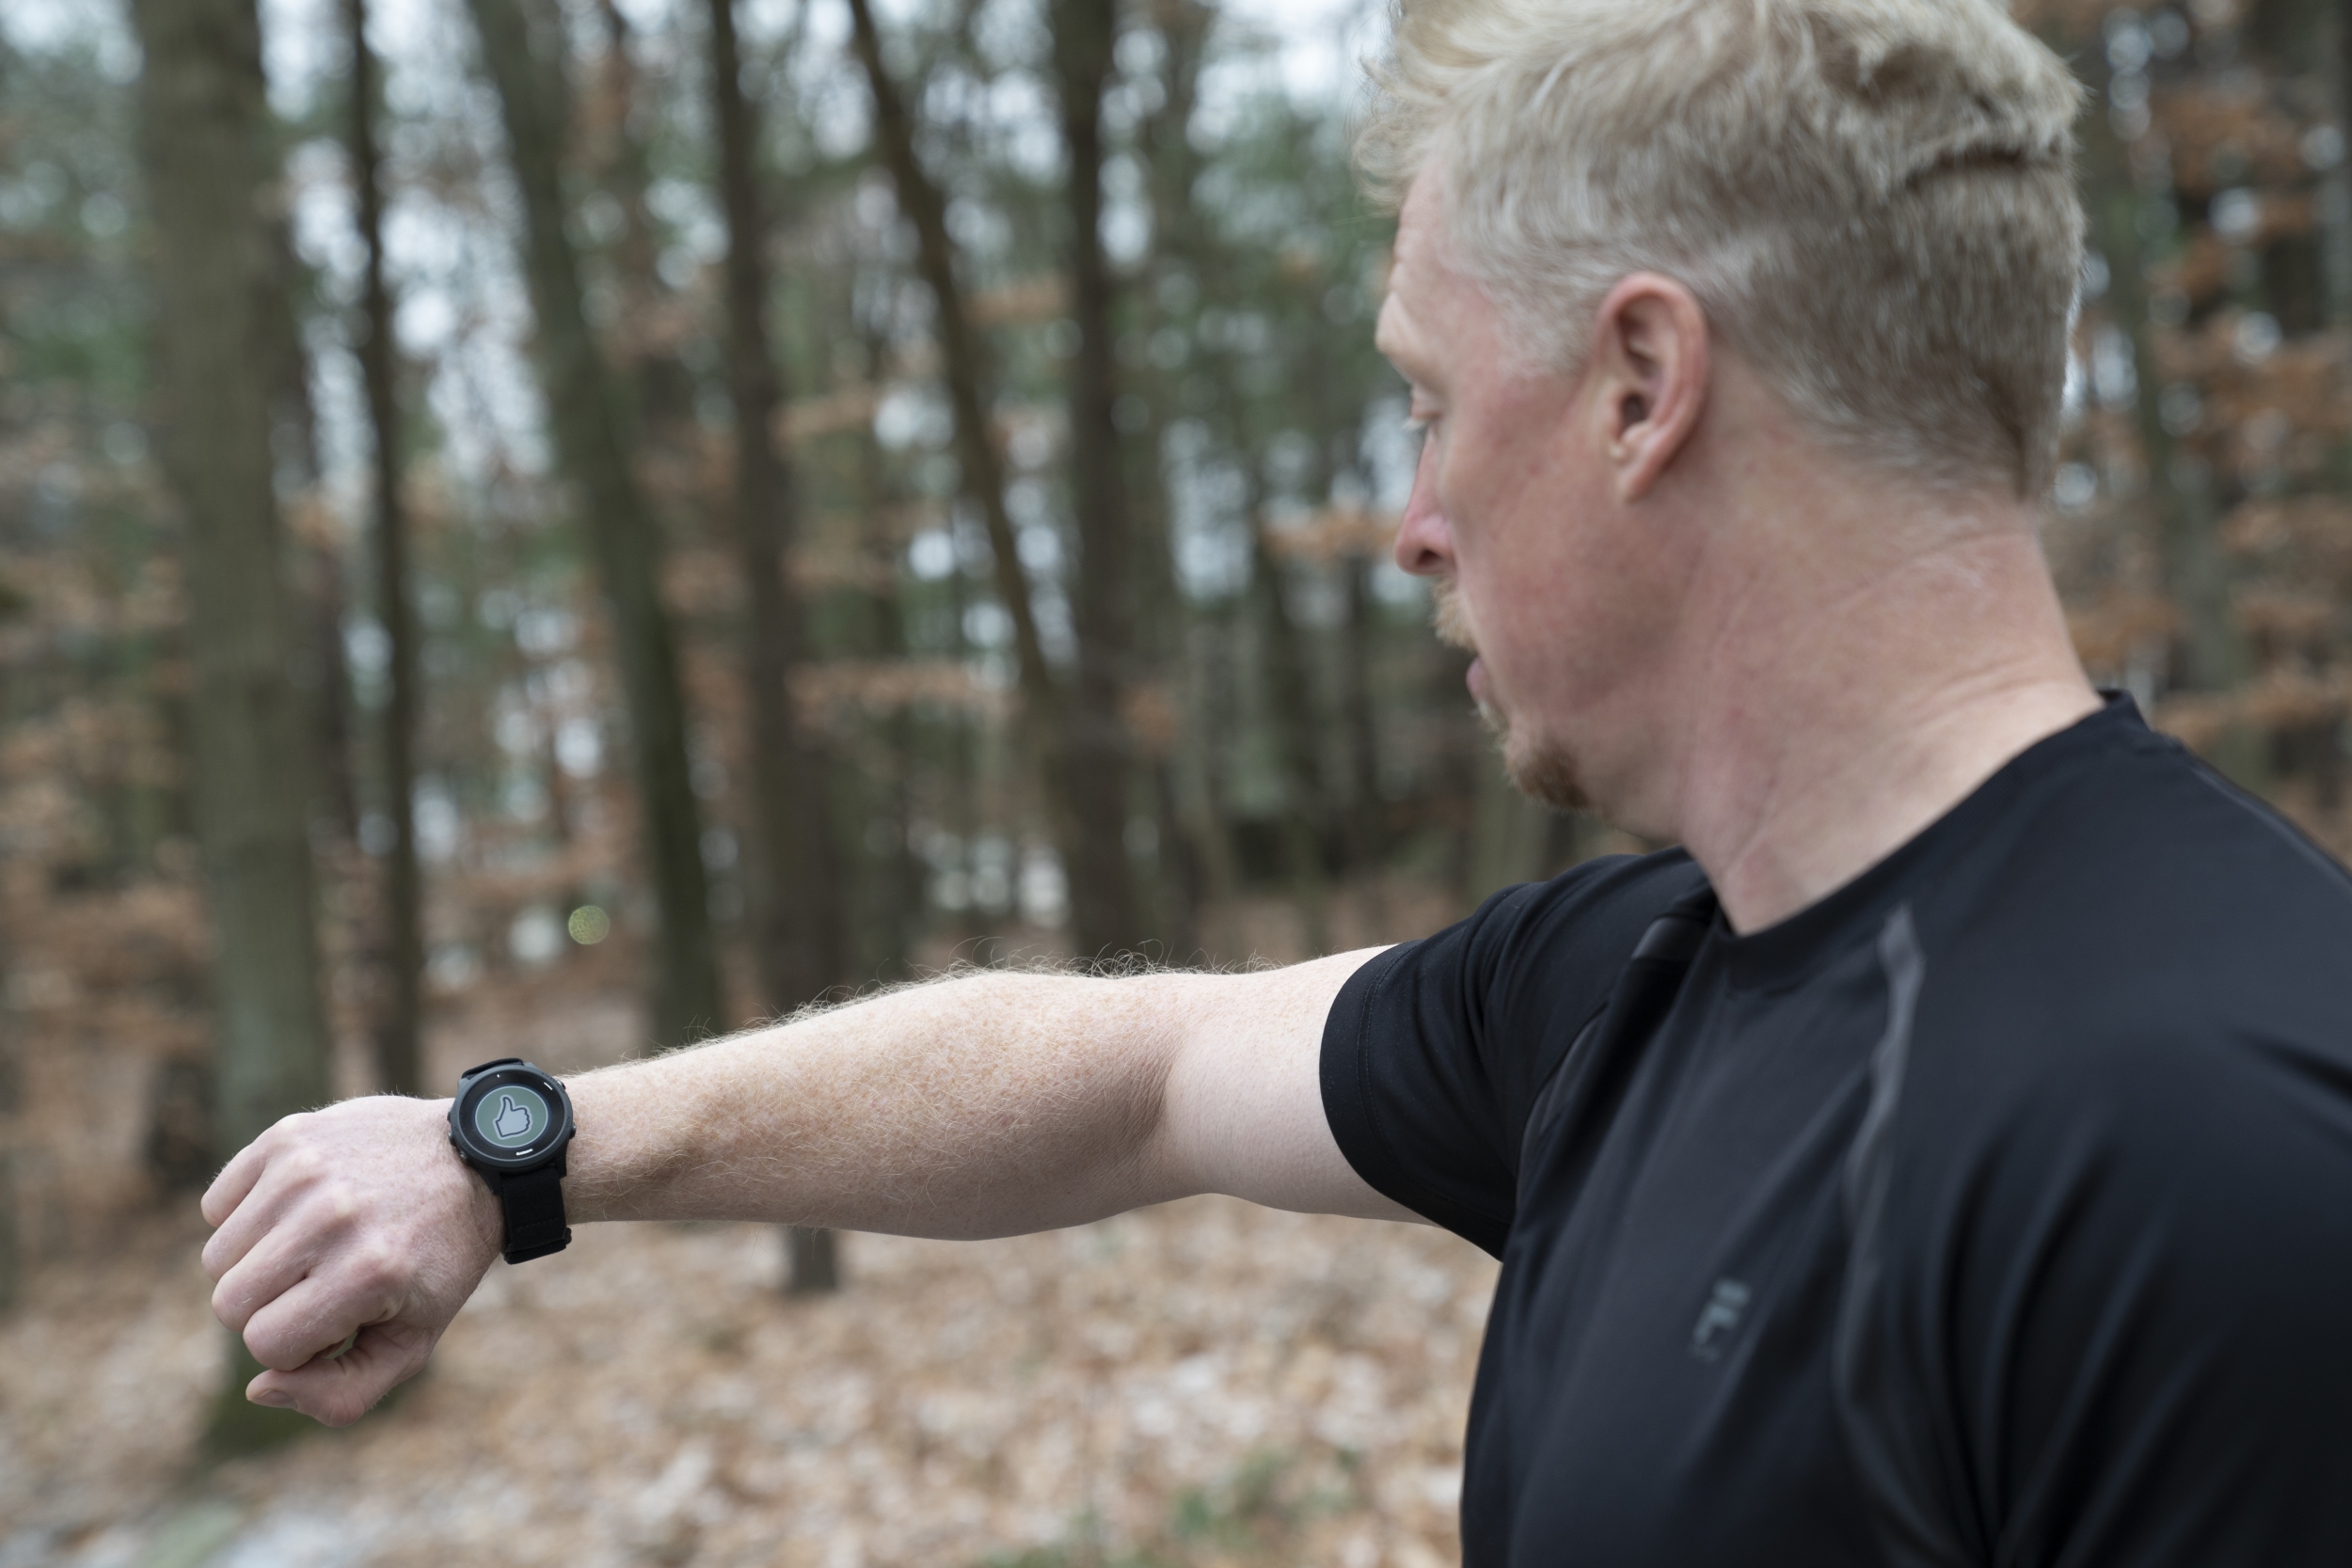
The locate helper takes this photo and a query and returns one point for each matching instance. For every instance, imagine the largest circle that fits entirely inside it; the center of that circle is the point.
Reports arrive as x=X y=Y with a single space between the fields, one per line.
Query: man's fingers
x=239 y=1176
x=315 y=1314
x=339 y=1390
x=235 y=1235
x=277 y=1262
x=235 y=1179
x=276 y=1178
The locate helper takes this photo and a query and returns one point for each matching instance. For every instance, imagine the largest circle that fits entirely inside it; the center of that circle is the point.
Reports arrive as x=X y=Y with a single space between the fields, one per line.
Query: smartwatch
x=512 y=1123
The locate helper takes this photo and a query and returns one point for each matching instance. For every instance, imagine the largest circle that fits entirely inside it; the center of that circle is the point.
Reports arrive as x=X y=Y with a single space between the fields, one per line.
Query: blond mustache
x=1446 y=617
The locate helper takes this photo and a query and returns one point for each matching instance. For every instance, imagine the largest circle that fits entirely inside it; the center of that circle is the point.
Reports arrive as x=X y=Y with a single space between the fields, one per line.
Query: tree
x=2213 y=654
x=11 y=1263
x=1103 y=599
x=2288 y=40
x=1071 y=730
x=403 y=901
x=1297 y=736
x=204 y=147
x=585 y=419
x=795 y=893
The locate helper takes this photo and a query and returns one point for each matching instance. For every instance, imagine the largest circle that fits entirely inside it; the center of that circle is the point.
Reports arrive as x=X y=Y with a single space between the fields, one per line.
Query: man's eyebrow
x=1410 y=366
x=1395 y=341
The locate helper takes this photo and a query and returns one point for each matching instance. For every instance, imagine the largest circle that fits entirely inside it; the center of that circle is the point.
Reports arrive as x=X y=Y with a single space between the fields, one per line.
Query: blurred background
x=557 y=527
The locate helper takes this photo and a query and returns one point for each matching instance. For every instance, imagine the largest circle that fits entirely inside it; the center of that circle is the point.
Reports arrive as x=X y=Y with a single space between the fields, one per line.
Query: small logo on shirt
x=1719 y=1318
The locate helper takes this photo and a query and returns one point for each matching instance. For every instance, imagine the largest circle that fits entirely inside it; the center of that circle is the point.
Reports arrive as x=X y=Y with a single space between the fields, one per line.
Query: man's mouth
x=1454 y=629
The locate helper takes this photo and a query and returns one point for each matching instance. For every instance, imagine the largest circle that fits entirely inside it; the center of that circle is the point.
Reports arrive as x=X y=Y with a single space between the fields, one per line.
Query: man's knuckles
x=301 y=1165
x=376 y=1271
x=231 y=1306
x=288 y=1127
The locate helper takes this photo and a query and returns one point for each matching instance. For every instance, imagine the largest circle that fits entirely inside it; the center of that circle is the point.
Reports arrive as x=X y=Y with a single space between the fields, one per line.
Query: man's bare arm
x=992 y=1105
x=997 y=1105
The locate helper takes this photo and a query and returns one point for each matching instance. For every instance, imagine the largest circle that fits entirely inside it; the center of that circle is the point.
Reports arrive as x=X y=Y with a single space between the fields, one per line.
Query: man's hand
x=358 y=1218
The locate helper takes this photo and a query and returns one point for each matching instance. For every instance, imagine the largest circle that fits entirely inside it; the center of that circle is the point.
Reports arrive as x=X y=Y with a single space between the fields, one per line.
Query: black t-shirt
x=1995 y=1210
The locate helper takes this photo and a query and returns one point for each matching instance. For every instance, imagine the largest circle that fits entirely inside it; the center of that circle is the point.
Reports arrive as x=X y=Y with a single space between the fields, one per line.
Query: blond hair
x=1873 y=201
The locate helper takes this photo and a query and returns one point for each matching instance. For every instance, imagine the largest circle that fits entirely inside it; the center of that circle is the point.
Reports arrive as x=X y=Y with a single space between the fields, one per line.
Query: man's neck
x=1838 y=707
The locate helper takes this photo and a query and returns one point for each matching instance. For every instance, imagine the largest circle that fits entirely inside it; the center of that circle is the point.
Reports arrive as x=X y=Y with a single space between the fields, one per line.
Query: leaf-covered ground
x=1201 y=1383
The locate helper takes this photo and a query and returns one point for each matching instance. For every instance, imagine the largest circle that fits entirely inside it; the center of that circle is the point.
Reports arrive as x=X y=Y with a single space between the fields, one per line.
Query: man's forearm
x=981 y=1106
x=986 y=1105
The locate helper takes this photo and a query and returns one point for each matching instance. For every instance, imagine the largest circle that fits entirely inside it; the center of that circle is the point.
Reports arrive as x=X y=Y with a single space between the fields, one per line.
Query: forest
x=562 y=528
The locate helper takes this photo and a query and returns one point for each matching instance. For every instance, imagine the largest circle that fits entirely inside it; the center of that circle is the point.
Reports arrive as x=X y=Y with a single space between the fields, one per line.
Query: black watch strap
x=534 y=1205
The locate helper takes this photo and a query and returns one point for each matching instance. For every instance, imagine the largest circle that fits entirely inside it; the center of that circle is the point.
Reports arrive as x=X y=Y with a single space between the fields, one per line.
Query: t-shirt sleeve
x=1435 y=1051
x=2129 y=1322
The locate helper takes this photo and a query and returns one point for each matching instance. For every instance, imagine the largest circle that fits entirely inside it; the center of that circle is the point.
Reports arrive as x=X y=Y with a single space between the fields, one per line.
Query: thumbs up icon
x=512 y=1120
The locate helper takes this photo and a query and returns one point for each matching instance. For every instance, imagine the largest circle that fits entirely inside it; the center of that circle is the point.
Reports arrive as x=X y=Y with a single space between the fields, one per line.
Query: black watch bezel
x=484 y=1080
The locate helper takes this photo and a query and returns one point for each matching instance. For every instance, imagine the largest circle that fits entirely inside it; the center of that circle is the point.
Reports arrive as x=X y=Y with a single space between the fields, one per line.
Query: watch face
x=511 y=1115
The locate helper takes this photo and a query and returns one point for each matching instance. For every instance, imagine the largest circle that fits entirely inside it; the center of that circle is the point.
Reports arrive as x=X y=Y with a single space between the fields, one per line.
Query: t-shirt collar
x=1787 y=952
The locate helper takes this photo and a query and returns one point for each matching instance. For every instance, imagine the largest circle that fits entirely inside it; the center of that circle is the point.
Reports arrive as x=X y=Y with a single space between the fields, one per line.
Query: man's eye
x=1418 y=424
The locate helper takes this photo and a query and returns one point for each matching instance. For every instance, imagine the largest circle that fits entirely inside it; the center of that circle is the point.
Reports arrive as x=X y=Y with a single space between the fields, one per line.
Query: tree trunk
x=1046 y=711
x=587 y=425
x=315 y=570
x=796 y=893
x=812 y=1260
x=10 y=1265
x=795 y=884
x=961 y=357
x=398 y=1061
x=2290 y=44
x=902 y=881
x=12 y=1252
x=204 y=145
x=1204 y=703
x=660 y=388
x=1305 y=816
x=1103 y=602
x=2212 y=653
x=1365 y=832
x=1195 y=856
x=2335 y=207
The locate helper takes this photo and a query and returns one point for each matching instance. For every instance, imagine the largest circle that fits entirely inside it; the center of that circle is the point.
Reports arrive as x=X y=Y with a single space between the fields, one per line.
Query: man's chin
x=1549 y=778
x=1544 y=774
x=1541 y=772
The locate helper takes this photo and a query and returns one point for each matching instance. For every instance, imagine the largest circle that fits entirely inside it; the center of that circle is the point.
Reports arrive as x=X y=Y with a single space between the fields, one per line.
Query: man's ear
x=1649 y=370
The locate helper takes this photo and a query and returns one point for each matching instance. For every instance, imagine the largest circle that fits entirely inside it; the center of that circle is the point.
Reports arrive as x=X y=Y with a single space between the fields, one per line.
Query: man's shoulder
x=1603 y=904
x=2150 y=976
x=2115 y=1248
x=2141 y=877
x=1543 y=944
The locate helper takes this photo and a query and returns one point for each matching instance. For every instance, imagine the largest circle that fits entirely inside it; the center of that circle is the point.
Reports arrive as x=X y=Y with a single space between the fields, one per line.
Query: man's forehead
x=1416 y=262
x=1420 y=220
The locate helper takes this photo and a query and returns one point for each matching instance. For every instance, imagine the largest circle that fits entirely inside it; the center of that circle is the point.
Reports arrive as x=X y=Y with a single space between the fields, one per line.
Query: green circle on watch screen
x=511 y=1115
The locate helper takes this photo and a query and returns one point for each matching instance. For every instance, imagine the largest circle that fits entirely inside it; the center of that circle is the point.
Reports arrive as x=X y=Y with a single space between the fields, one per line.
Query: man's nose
x=1424 y=541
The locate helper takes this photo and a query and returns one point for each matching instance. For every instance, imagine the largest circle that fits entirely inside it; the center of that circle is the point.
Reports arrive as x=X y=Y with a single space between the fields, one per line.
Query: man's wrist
x=481 y=1212
x=512 y=1123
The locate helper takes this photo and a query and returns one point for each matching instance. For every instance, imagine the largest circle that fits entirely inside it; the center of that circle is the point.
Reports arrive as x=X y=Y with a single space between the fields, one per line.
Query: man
x=1946 y=1157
